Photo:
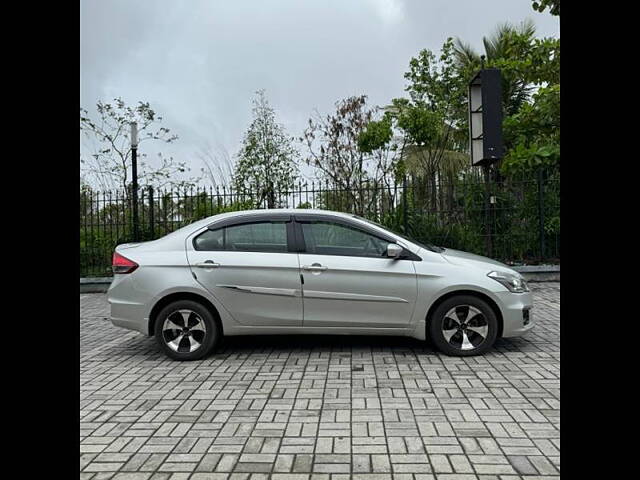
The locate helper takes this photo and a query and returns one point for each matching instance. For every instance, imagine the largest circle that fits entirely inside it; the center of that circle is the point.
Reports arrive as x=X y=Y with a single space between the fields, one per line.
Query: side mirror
x=394 y=250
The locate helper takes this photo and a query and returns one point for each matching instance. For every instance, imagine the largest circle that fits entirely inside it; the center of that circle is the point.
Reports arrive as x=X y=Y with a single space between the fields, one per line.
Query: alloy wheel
x=184 y=331
x=465 y=327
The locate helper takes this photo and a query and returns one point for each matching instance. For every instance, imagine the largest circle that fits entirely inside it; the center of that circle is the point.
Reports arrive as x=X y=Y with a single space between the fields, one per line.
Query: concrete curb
x=532 y=273
x=95 y=284
x=539 y=273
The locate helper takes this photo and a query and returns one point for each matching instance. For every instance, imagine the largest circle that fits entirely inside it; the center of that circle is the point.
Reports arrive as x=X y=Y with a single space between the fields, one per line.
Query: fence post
x=541 y=212
x=487 y=210
x=134 y=194
x=404 y=205
x=152 y=216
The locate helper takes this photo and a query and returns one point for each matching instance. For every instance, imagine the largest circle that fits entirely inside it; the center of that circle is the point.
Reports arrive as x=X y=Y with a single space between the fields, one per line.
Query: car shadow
x=307 y=342
x=244 y=343
x=147 y=348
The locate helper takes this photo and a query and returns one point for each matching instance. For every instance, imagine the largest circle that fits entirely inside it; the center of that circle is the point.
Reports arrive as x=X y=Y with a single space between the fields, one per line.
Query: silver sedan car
x=310 y=272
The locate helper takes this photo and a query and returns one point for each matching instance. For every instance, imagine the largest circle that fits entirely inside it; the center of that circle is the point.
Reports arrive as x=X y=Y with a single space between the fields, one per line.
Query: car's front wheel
x=186 y=330
x=463 y=325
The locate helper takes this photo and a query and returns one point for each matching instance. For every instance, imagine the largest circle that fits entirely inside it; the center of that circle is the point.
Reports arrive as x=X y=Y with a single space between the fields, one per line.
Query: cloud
x=390 y=11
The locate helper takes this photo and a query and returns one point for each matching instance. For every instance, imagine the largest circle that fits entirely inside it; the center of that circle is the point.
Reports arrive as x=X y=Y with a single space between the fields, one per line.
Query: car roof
x=267 y=211
x=271 y=211
x=256 y=213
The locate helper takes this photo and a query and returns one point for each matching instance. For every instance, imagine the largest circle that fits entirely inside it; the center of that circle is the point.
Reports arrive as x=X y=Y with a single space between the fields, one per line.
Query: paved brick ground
x=321 y=408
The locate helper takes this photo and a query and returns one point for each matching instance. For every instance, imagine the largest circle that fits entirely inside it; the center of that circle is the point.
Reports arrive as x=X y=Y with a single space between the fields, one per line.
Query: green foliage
x=531 y=61
x=421 y=126
x=435 y=115
x=523 y=158
x=532 y=134
x=190 y=208
x=267 y=160
x=434 y=83
x=375 y=135
x=513 y=222
x=541 y=5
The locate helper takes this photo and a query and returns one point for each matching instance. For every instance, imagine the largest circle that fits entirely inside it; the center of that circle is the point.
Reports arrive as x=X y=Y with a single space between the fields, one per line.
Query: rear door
x=348 y=279
x=247 y=263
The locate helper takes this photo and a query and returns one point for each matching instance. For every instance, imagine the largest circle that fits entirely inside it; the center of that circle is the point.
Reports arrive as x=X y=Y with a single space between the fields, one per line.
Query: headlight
x=514 y=283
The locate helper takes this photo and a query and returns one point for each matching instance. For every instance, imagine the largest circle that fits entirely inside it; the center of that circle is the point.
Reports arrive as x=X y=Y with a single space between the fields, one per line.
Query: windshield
x=428 y=246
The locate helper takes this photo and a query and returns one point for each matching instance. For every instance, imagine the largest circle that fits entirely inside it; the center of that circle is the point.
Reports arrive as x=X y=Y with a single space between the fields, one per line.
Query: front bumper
x=517 y=313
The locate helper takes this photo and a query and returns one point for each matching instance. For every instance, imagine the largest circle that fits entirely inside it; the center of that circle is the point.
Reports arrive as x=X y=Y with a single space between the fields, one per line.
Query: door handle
x=316 y=267
x=208 y=264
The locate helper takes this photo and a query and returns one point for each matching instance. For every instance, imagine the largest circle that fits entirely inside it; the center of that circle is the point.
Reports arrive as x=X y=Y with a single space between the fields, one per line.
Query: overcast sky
x=199 y=62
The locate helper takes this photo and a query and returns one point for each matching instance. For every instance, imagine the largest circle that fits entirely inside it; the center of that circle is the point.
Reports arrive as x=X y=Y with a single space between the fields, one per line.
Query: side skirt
x=403 y=332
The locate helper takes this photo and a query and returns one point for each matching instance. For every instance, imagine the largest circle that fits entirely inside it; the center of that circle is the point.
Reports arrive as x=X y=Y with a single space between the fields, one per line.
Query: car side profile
x=295 y=271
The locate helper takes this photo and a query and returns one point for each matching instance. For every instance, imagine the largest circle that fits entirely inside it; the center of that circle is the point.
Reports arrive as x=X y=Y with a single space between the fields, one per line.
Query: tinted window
x=247 y=237
x=327 y=238
x=426 y=246
x=210 y=240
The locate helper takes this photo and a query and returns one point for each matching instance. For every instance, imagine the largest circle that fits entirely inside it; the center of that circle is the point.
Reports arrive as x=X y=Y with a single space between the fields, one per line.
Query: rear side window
x=246 y=237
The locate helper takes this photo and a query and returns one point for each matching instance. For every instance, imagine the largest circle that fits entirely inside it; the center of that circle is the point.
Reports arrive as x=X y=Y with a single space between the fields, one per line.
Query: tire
x=195 y=341
x=455 y=333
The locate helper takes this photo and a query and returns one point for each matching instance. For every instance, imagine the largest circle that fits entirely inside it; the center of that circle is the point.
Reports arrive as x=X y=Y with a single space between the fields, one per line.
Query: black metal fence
x=513 y=220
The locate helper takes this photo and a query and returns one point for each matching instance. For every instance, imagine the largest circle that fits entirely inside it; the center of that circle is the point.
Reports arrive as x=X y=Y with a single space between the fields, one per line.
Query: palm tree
x=515 y=90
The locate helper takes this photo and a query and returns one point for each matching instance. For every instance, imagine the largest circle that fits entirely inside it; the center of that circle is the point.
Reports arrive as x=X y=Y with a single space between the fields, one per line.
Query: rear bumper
x=128 y=324
x=129 y=316
x=516 y=307
x=128 y=310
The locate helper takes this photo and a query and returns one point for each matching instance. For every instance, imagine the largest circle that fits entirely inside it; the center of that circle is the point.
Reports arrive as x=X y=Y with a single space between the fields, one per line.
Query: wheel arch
x=176 y=296
x=474 y=293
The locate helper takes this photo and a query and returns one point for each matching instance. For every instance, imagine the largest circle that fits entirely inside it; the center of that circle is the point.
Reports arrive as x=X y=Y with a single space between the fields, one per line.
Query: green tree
x=266 y=163
x=348 y=155
x=532 y=133
x=107 y=139
x=431 y=123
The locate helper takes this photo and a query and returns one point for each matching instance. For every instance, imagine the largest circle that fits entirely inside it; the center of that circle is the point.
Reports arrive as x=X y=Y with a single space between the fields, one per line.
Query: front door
x=350 y=282
x=249 y=269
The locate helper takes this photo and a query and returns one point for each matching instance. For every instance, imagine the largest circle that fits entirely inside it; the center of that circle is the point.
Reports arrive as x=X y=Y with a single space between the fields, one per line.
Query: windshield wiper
x=433 y=248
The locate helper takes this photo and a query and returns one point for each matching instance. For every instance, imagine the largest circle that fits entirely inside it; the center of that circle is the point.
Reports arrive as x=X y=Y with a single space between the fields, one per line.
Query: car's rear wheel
x=463 y=325
x=186 y=330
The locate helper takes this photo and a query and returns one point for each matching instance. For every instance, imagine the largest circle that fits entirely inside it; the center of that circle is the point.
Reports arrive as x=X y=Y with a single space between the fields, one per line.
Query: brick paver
x=319 y=407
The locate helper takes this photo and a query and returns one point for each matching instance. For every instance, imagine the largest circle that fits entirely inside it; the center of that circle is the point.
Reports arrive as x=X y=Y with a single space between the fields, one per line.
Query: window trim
x=251 y=220
x=306 y=218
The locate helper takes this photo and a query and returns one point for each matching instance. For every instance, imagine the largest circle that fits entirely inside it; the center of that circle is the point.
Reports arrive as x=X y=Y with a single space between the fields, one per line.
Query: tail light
x=121 y=264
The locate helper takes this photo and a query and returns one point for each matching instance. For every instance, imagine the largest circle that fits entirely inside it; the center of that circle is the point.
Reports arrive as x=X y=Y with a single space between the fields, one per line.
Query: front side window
x=246 y=237
x=328 y=238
